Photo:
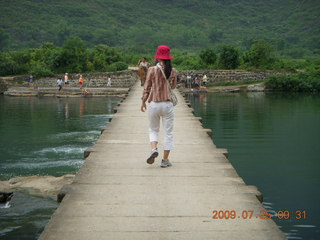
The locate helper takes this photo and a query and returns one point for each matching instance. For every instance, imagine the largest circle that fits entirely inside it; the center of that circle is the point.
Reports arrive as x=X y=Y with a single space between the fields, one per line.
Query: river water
x=44 y=136
x=273 y=141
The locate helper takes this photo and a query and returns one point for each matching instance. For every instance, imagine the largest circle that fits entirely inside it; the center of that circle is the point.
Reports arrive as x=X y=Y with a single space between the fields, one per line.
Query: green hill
x=292 y=26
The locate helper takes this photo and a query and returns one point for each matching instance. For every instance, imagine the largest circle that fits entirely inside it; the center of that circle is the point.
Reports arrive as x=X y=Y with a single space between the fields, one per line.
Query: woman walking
x=157 y=93
x=143 y=68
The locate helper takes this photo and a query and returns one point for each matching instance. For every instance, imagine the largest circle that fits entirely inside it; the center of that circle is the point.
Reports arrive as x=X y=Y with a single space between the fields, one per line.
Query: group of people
x=196 y=82
x=60 y=82
x=65 y=82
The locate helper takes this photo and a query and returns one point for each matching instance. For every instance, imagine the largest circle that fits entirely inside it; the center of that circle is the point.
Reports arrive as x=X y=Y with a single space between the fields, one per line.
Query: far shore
x=66 y=92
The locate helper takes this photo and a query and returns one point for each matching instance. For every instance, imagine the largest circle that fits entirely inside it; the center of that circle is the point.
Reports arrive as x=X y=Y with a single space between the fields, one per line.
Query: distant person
x=189 y=81
x=59 y=82
x=30 y=80
x=197 y=82
x=109 y=82
x=205 y=80
x=80 y=80
x=157 y=93
x=143 y=68
x=66 y=79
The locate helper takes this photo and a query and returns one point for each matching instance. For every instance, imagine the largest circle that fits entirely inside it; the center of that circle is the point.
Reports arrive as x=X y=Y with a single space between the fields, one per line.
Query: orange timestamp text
x=264 y=214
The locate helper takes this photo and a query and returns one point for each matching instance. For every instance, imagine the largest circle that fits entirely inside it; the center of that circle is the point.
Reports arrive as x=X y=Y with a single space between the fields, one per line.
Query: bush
x=40 y=70
x=190 y=63
x=7 y=64
x=302 y=82
x=73 y=57
x=208 y=56
x=15 y=62
x=229 y=58
x=47 y=54
x=260 y=55
x=102 y=56
x=117 y=66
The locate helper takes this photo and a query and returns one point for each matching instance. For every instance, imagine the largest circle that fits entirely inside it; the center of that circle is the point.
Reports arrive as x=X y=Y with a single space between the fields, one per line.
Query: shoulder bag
x=174 y=98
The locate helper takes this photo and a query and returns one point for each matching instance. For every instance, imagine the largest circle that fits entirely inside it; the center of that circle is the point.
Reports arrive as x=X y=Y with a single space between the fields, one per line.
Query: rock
x=256 y=87
x=63 y=192
x=5 y=196
x=3 y=87
x=36 y=185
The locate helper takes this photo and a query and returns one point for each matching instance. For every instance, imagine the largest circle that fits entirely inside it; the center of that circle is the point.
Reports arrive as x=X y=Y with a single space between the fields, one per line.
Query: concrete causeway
x=117 y=195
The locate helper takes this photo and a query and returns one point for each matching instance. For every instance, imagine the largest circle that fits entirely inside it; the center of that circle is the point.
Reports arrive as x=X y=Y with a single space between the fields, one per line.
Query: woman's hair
x=167 y=67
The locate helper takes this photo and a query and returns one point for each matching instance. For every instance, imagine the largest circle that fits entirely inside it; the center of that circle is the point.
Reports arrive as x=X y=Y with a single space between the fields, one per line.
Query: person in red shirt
x=80 y=81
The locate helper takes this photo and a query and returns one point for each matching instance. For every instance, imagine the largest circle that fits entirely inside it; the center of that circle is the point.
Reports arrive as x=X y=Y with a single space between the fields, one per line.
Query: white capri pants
x=165 y=111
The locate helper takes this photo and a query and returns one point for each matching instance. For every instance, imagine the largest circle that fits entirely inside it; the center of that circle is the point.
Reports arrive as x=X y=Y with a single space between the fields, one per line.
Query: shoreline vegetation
x=307 y=82
x=74 y=57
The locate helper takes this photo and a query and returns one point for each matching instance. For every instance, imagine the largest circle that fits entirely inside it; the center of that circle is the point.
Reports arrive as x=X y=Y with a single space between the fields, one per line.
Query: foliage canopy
x=139 y=26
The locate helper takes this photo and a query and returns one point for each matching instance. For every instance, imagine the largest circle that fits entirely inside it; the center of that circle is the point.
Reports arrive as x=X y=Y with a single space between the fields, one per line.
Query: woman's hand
x=143 y=107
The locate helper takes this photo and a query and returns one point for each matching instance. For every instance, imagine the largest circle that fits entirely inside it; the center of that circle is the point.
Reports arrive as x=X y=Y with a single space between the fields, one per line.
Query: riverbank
x=66 y=92
x=95 y=84
x=259 y=87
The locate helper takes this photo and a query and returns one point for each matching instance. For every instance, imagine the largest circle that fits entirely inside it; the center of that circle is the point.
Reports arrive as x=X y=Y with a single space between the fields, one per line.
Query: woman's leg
x=166 y=155
x=154 y=144
x=167 y=121
x=154 y=127
x=154 y=123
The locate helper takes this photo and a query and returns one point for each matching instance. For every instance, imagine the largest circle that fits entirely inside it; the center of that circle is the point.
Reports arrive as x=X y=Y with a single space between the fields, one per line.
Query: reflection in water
x=81 y=106
x=273 y=141
x=66 y=110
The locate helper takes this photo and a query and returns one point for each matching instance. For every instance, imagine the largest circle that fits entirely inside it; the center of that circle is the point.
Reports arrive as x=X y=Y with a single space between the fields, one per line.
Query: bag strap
x=159 y=66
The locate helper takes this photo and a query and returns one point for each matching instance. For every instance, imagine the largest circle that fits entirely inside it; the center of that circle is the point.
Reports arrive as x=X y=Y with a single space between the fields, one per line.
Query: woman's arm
x=147 y=88
x=173 y=78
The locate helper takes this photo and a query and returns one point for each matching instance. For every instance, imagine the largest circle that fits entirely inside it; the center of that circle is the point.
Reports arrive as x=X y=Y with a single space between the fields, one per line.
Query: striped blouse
x=156 y=88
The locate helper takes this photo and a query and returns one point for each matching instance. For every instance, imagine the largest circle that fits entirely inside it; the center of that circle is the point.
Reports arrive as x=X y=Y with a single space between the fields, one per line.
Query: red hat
x=163 y=52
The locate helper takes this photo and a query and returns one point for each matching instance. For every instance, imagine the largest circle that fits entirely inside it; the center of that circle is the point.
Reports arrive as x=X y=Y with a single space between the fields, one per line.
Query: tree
x=15 y=62
x=208 y=56
x=7 y=64
x=74 y=56
x=22 y=61
x=46 y=55
x=102 y=56
x=260 y=55
x=229 y=58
